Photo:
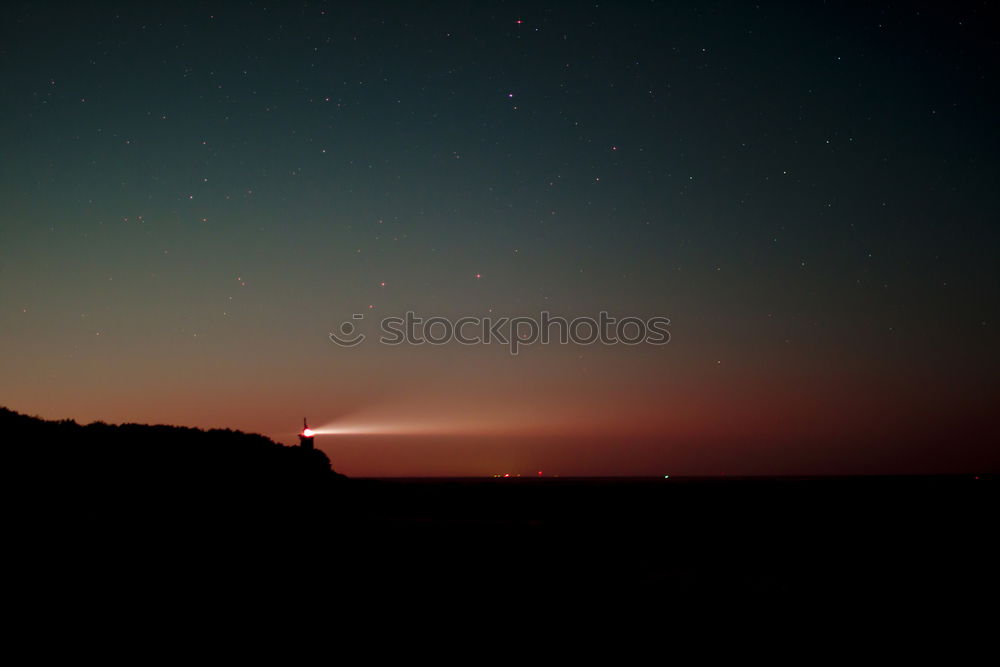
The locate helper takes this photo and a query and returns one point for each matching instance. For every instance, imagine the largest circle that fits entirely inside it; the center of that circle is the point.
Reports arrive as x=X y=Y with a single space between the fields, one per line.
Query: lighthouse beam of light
x=429 y=426
x=512 y=422
x=405 y=428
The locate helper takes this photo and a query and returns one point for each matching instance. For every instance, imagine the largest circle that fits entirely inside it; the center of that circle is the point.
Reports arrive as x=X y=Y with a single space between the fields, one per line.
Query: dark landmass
x=132 y=473
x=153 y=512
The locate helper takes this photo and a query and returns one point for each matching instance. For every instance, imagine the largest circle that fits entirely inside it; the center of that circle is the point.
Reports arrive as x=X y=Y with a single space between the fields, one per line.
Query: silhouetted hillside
x=102 y=473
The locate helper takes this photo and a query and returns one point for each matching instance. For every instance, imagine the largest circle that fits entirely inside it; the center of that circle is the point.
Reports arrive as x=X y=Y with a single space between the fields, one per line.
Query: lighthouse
x=306 y=436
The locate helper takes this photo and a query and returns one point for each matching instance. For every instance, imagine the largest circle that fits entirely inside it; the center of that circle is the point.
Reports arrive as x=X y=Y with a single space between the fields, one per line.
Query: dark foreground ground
x=867 y=540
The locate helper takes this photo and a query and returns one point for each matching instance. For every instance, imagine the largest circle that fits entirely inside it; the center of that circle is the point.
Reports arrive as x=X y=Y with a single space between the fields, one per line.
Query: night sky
x=194 y=195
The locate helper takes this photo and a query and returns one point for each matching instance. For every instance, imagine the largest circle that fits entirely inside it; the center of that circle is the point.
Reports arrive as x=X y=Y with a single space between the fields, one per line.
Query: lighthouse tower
x=306 y=436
